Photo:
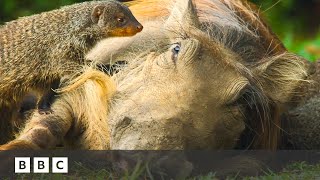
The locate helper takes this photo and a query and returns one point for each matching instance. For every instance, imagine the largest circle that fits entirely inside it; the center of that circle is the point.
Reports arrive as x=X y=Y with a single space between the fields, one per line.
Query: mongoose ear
x=97 y=12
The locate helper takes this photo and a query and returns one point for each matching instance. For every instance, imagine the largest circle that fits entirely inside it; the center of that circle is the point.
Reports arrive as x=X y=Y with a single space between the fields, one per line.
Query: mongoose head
x=116 y=19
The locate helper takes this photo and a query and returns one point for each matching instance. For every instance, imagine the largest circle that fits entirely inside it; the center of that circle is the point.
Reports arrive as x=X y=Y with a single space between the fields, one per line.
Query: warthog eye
x=175 y=51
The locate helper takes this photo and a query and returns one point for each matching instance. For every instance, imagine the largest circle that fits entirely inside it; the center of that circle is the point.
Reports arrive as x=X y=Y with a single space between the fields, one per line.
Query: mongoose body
x=37 y=50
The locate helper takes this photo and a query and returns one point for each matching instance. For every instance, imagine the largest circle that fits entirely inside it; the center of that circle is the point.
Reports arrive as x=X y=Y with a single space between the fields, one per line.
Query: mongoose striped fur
x=37 y=50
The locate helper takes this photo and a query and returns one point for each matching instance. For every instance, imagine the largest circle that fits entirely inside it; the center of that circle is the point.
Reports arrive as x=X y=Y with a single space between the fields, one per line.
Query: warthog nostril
x=139 y=27
x=126 y=121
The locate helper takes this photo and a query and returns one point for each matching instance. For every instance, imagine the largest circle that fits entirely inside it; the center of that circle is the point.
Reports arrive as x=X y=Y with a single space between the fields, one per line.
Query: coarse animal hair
x=271 y=73
x=237 y=26
x=84 y=102
x=41 y=49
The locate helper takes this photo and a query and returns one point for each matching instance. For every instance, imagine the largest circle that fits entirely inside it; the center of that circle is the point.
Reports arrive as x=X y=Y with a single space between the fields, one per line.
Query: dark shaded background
x=296 y=22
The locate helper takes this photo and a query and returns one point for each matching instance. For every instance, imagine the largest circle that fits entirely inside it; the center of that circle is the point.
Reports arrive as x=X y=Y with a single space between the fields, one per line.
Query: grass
x=294 y=171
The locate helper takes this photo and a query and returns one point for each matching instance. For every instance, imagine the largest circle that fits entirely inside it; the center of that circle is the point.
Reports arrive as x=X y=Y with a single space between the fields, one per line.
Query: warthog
x=207 y=74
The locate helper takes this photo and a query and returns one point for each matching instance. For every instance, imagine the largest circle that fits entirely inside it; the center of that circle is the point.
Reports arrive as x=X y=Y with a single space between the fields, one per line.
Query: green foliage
x=294 y=22
x=309 y=48
x=12 y=9
x=296 y=27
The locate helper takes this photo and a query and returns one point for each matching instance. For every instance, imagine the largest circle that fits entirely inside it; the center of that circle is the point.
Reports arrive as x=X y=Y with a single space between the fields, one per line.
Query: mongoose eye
x=120 y=19
x=175 y=51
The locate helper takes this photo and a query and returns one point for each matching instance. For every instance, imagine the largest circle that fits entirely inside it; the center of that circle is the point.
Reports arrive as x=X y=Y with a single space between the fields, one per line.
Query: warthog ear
x=183 y=16
x=280 y=75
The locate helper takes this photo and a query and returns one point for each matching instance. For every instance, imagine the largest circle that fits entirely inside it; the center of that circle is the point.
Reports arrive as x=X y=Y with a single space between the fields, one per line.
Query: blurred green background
x=296 y=22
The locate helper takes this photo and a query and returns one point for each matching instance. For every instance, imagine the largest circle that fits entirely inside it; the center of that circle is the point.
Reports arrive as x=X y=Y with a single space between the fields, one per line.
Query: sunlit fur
x=37 y=50
x=232 y=27
x=242 y=22
x=84 y=103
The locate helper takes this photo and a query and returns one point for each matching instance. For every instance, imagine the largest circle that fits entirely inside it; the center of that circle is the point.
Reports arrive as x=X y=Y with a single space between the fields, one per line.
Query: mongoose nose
x=139 y=28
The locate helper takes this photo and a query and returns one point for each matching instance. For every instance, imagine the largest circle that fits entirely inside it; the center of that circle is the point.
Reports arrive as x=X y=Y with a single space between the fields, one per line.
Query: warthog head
x=201 y=79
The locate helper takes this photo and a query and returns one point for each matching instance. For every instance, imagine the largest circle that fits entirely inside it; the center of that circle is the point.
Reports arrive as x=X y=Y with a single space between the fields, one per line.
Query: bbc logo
x=40 y=165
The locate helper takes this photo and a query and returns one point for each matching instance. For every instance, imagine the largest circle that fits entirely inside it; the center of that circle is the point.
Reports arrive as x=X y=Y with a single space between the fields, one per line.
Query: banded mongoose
x=38 y=50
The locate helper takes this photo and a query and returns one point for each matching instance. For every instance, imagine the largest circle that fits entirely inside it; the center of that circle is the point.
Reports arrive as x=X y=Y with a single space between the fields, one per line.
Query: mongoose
x=36 y=51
